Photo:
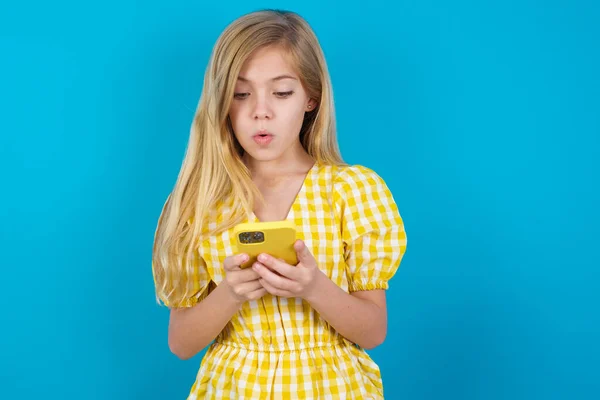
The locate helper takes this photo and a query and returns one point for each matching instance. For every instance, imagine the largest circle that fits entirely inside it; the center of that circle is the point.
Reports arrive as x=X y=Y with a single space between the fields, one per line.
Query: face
x=268 y=107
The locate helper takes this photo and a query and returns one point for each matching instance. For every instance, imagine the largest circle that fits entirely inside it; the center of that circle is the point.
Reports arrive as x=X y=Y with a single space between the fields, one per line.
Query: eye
x=284 y=94
x=240 y=96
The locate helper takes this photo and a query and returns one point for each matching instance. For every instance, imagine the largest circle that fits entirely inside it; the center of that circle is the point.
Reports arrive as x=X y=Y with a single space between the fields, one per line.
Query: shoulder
x=364 y=203
x=353 y=178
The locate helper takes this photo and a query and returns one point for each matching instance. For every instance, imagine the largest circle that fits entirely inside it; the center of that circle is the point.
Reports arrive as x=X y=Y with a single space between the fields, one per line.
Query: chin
x=263 y=154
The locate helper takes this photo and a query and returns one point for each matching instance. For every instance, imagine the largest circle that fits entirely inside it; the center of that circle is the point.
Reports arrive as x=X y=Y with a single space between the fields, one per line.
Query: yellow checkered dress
x=277 y=348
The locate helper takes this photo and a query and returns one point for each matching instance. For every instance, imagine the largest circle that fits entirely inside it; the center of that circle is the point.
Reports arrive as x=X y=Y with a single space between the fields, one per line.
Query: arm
x=361 y=317
x=192 y=329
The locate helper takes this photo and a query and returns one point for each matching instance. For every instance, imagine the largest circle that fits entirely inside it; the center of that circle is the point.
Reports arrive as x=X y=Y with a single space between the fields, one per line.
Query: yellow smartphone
x=273 y=238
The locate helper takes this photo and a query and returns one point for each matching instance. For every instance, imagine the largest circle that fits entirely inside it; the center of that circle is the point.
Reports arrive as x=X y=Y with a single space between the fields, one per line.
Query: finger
x=303 y=253
x=246 y=275
x=243 y=289
x=257 y=294
x=276 y=281
x=279 y=266
x=232 y=262
x=275 y=291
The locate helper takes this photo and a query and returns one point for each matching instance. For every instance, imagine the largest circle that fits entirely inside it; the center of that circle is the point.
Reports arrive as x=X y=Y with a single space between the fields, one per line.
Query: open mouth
x=263 y=138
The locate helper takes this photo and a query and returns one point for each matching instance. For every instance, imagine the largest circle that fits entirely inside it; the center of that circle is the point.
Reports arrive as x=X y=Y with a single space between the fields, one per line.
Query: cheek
x=236 y=121
x=293 y=115
x=233 y=114
x=295 y=120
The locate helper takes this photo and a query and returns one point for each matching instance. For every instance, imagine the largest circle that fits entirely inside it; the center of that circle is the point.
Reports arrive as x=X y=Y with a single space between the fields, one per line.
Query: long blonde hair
x=213 y=170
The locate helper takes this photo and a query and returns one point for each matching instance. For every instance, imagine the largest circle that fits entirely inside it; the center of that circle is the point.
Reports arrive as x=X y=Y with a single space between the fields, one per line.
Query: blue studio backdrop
x=482 y=117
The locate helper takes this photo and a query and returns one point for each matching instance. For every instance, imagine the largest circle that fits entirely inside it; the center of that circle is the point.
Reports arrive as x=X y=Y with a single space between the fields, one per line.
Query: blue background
x=483 y=117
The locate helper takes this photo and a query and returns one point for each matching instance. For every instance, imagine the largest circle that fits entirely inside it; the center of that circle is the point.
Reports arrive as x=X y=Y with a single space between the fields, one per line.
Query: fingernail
x=256 y=266
x=262 y=257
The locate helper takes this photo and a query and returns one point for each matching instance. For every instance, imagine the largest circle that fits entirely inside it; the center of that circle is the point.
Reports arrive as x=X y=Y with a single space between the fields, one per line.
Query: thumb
x=233 y=262
x=304 y=254
x=241 y=259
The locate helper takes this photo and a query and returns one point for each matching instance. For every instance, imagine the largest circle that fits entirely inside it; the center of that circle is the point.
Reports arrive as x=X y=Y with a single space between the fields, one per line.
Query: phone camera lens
x=257 y=237
x=252 y=237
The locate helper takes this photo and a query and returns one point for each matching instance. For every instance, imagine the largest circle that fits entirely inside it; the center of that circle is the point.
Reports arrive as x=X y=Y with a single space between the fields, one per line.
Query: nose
x=262 y=109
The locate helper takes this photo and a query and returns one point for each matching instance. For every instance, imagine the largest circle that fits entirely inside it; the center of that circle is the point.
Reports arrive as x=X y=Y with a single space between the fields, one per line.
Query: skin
x=270 y=98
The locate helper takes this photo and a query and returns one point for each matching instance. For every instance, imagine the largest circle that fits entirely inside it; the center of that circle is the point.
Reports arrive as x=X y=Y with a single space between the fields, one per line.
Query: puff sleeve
x=372 y=229
x=185 y=288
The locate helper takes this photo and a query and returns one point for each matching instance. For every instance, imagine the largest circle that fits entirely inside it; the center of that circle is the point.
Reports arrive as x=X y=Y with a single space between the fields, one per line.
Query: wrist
x=233 y=300
x=317 y=287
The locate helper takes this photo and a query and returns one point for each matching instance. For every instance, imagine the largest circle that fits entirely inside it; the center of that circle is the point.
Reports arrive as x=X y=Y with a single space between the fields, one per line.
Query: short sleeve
x=186 y=287
x=371 y=227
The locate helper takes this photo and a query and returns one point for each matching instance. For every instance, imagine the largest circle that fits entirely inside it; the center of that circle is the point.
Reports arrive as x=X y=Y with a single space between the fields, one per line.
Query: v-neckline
x=305 y=182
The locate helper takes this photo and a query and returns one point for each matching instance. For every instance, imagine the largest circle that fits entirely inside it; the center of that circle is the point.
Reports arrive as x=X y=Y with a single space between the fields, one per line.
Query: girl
x=263 y=148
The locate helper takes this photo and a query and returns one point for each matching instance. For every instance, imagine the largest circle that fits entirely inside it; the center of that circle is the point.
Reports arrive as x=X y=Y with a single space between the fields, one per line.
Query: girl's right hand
x=244 y=283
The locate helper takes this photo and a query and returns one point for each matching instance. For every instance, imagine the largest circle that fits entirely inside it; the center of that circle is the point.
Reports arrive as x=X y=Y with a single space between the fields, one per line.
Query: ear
x=312 y=104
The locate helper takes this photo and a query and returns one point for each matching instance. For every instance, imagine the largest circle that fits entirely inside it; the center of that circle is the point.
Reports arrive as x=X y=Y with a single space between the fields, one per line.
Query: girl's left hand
x=292 y=281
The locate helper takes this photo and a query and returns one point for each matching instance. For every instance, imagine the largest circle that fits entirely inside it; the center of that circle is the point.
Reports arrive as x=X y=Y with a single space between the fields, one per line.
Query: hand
x=284 y=280
x=243 y=283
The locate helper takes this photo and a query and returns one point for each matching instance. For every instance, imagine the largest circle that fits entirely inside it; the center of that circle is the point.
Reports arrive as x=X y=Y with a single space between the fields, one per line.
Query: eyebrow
x=277 y=78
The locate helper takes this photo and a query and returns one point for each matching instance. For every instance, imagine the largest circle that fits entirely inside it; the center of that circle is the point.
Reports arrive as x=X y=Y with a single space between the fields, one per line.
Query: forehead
x=267 y=63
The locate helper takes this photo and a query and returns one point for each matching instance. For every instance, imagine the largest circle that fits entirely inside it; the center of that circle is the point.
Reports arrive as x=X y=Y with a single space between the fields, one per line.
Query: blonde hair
x=213 y=170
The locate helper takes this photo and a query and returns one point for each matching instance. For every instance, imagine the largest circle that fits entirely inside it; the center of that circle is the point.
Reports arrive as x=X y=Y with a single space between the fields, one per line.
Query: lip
x=263 y=137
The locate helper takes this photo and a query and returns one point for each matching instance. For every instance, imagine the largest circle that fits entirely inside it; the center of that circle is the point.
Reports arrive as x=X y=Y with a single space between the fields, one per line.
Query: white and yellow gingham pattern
x=277 y=348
